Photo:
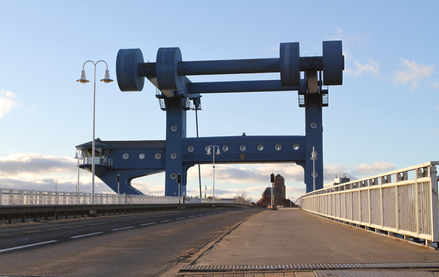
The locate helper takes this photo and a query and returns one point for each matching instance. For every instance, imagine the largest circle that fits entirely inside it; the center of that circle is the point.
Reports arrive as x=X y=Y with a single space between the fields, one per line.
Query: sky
x=385 y=115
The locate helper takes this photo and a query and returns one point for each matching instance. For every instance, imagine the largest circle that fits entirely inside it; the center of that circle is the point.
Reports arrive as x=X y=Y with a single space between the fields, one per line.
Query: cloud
x=333 y=170
x=7 y=102
x=371 y=67
x=31 y=164
x=348 y=39
x=373 y=169
x=250 y=174
x=412 y=73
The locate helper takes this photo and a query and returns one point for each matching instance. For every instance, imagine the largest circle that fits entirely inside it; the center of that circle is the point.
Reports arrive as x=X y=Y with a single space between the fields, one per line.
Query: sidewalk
x=291 y=242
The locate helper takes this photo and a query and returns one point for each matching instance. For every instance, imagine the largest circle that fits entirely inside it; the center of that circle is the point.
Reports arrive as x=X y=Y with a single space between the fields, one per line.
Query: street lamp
x=209 y=152
x=314 y=173
x=78 y=157
x=83 y=80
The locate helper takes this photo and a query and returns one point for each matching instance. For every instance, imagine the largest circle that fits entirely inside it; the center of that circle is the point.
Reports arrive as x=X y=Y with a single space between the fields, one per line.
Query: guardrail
x=403 y=202
x=24 y=212
x=38 y=197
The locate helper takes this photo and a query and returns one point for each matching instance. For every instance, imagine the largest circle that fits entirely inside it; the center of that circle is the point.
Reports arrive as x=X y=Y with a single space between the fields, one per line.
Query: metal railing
x=39 y=197
x=403 y=202
x=98 y=161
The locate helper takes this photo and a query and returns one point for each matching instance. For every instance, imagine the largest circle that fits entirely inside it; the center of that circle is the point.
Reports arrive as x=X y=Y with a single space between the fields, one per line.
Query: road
x=121 y=245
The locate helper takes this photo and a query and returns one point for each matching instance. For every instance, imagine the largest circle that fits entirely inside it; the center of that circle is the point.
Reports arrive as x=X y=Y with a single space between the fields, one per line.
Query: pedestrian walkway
x=291 y=242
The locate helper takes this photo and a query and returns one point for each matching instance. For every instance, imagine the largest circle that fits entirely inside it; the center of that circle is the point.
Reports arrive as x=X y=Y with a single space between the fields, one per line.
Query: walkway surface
x=291 y=242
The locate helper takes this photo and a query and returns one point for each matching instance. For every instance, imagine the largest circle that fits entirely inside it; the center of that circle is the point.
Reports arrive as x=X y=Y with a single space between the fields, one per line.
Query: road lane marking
x=146 y=224
x=180 y=218
x=167 y=220
x=26 y=246
x=86 y=235
x=191 y=216
x=123 y=228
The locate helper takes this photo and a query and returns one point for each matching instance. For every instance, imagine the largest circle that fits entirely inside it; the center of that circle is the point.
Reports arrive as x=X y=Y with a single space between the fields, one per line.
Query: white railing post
x=397 y=210
x=418 y=209
x=432 y=173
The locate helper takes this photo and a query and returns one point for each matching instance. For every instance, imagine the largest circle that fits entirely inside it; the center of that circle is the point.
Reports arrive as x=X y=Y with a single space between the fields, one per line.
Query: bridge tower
x=310 y=76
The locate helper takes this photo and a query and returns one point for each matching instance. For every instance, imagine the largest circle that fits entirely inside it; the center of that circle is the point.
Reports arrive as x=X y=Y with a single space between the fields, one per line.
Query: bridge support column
x=175 y=132
x=313 y=138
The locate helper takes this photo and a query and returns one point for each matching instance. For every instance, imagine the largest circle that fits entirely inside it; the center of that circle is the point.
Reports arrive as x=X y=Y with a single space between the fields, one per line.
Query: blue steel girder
x=245 y=149
x=129 y=159
x=169 y=74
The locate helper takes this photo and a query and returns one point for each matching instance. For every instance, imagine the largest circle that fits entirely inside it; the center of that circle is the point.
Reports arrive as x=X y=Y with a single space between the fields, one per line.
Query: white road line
x=167 y=220
x=146 y=224
x=86 y=235
x=200 y=215
x=180 y=218
x=123 y=228
x=28 y=245
x=191 y=216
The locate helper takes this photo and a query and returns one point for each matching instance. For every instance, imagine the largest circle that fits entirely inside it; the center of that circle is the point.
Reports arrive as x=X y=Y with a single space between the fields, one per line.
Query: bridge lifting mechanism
x=177 y=93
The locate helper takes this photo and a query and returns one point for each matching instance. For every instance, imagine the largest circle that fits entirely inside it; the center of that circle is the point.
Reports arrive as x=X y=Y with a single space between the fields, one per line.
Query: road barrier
x=46 y=212
x=400 y=203
x=39 y=197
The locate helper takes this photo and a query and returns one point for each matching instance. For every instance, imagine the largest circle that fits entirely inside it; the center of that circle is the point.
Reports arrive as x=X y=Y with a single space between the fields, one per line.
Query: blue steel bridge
x=403 y=202
x=117 y=163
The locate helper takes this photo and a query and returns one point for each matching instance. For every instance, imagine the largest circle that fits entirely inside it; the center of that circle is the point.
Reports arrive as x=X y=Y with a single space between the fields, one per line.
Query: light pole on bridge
x=210 y=151
x=83 y=80
x=314 y=173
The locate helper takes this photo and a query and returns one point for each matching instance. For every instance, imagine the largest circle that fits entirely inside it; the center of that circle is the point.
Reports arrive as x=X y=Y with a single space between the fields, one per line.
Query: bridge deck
x=290 y=240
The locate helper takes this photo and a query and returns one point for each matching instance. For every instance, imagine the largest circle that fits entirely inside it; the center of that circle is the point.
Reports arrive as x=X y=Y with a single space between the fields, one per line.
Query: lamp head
x=218 y=151
x=209 y=150
x=107 y=77
x=83 y=79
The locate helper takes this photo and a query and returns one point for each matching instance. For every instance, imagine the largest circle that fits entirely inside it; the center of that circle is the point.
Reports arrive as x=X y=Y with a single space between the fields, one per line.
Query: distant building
x=338 y=181
x=279 y=192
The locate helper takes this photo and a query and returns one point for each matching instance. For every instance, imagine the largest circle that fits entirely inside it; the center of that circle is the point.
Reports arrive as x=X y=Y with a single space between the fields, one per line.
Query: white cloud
x=7 y=101
x=412 y=73
x=333 y=170
x=348 y=39
x=35 y=164
x=365 y=170
x=371 y=67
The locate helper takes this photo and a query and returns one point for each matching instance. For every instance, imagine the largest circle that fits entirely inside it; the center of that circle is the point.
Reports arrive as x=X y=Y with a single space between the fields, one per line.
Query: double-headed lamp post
x=314 y=173
x=210 y=151
x=83 y=80
x=77 y=157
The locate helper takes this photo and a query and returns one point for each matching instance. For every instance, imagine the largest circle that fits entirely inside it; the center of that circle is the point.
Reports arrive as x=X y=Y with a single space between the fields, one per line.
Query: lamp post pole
x=84 y=80
x=314 y=174
x=78 y=157
x=211 y=151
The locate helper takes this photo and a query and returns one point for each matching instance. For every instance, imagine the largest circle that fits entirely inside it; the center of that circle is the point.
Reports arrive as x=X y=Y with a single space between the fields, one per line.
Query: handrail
x=403 y=202
x=39 y=197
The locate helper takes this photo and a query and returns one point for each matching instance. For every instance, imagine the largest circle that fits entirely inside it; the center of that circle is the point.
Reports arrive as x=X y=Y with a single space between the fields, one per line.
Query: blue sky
x=385 y=116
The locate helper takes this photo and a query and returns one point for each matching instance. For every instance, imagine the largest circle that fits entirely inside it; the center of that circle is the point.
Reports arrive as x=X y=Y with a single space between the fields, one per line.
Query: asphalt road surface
x=121 y=245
